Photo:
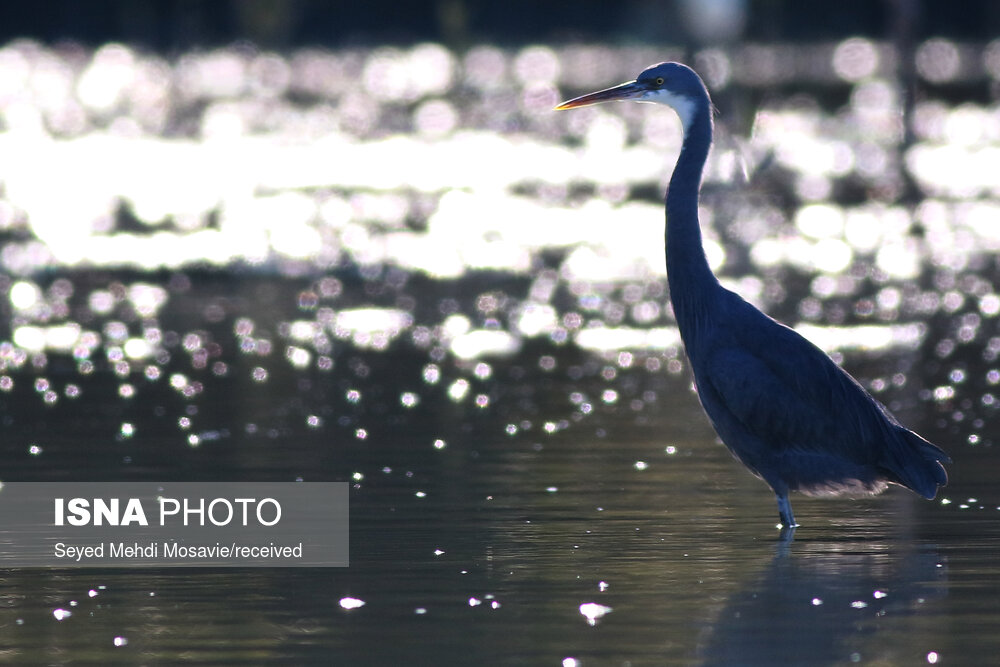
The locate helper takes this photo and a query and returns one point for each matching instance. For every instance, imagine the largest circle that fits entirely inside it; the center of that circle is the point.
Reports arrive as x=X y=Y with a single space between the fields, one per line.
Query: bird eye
x=659 y=81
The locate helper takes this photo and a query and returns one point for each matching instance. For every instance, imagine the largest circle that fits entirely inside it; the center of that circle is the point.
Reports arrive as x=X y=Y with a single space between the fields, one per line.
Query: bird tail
x=918 y=465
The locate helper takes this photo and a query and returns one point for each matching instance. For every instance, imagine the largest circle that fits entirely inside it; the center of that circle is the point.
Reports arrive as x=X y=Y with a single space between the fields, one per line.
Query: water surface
x=439 y=292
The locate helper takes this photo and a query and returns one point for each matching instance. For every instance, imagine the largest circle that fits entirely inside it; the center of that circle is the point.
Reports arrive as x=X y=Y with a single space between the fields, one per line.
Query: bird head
x=673 y=84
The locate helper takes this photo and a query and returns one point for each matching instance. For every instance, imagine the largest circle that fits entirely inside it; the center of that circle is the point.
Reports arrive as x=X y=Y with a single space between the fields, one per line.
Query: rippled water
x=250 y=266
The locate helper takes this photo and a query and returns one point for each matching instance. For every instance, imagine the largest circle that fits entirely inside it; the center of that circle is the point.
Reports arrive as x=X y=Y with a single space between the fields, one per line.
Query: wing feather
x=788 y=393
x=784 y=407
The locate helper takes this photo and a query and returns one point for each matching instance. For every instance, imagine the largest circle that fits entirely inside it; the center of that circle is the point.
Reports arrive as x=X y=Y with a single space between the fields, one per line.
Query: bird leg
x=785 y=511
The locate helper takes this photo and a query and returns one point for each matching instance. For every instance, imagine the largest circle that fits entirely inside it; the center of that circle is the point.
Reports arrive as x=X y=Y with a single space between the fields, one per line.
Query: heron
x=784 y=408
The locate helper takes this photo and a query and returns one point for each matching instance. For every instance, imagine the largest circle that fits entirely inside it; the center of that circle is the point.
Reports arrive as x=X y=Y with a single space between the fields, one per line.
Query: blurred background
x=329 y=241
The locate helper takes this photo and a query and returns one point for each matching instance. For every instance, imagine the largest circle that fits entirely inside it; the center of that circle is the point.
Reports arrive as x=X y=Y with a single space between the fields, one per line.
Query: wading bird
x=781 y=406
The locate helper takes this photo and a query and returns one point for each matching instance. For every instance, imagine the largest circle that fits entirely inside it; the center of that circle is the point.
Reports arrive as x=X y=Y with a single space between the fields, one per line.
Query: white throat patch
x=683 y=105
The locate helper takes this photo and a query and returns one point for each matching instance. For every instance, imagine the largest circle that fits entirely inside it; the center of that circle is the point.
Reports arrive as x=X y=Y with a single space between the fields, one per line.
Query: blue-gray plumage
x=782 y=407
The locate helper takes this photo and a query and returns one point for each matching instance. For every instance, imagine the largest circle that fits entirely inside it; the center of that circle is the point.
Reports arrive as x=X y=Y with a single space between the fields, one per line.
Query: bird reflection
x=822 y=603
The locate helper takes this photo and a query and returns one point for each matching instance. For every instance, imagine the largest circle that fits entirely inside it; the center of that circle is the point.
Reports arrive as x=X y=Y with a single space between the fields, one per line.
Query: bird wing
x=786 y=392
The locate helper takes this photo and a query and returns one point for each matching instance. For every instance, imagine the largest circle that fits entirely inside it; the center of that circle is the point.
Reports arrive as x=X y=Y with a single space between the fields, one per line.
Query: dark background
x=168 y=25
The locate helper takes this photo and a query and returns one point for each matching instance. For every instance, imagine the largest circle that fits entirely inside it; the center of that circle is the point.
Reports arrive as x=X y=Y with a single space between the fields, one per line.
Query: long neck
x=691 y=280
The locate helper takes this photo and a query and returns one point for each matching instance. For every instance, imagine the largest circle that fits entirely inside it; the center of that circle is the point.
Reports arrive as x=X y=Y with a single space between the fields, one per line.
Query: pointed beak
x=626 y=91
